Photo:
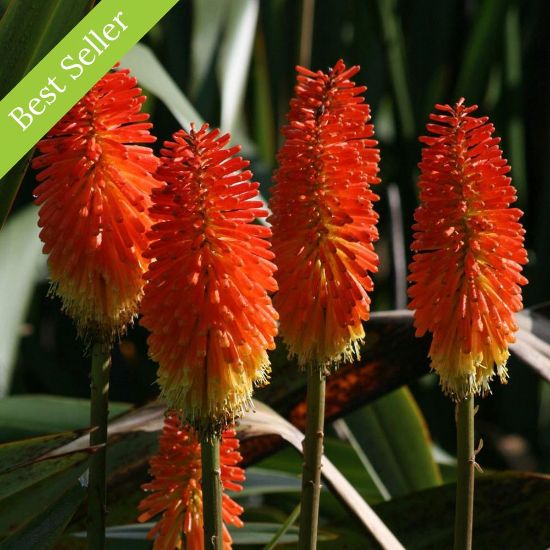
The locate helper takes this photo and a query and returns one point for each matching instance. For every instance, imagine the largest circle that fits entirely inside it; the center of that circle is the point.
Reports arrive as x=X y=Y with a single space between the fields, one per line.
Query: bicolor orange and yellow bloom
x=207 y=300
x=176 y=491
x=94 y=195
x=468 y=244
x=324 y=224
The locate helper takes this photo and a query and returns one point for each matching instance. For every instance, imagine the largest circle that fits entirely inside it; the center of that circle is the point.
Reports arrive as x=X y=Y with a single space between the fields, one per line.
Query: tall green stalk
x=313 y=452
x=212 y=493
x=313 y=442
x=99 y=413
x=464 y=512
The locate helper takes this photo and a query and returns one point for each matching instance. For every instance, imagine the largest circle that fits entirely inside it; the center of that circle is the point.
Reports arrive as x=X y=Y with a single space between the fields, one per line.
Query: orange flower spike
x=94 y=191
x=206 y=300
x=468 y=244
x=176 y=488
x=324 y=225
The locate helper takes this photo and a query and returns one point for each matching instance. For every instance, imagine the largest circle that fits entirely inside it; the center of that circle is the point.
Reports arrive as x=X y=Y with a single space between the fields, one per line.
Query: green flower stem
x=313 y=452
x=464 y=512
x=212 y=493
x=101 y=366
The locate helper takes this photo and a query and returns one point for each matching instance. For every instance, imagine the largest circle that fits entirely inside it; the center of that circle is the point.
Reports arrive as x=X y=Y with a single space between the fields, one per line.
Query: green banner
x=68 y=71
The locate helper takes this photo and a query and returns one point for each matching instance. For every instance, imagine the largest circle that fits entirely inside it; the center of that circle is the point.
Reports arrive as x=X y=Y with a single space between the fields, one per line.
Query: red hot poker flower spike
x=94 y=191
x=176 y=491
x=323 y=218
x=468 y=244
x=206 y=300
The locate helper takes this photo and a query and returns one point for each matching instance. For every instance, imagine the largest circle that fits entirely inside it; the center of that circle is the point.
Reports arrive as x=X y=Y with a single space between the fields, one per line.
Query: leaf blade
x=150 y=72
x=22 y=263
x=35 y=26
x=511 y=511
x=234 y=61
x=394 y=436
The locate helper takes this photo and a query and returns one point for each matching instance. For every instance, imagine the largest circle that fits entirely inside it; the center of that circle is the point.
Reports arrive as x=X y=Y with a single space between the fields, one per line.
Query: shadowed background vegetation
x=231 y=63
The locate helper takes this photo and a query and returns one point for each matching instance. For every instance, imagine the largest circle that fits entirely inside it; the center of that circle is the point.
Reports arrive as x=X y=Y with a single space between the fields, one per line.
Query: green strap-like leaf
x=393 y=434
x=28 y=30
x=152 y=75
x=20 y=267
x=45 y=529
x=234 y=61
x=28 y=415
x=208 y=20
x=26 y=492
x=511 y=511
x=23 y=451
x=482 y=45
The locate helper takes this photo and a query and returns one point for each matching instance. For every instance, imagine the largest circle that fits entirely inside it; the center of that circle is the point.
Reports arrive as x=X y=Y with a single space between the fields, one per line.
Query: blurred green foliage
x=412 y=54
x=234 y=61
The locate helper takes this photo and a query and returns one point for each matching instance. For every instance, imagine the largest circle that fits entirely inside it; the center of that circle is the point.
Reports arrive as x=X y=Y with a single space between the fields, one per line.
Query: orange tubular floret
x=176 y=491
x=468 y=244
x=324 y=224
x=206 y=300
x=94 y=192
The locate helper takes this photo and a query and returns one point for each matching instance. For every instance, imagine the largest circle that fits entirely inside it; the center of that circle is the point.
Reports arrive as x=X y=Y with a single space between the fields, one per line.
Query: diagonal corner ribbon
x=69 y=70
